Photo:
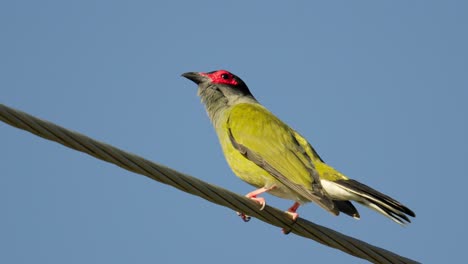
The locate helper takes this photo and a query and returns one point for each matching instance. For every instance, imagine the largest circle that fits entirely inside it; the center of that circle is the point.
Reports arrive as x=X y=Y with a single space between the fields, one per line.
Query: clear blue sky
x=380 y=89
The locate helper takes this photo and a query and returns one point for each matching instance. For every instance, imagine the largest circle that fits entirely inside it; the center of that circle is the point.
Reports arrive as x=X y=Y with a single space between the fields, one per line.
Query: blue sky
x=379 y=88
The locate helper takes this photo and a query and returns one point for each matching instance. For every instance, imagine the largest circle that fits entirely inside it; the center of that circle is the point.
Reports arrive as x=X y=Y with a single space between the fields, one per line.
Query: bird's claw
x=259 y=200
x=294 y=217
x=244 y=217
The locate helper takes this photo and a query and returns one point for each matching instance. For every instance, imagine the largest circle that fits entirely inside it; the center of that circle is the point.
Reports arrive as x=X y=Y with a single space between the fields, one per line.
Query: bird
x=266 y=153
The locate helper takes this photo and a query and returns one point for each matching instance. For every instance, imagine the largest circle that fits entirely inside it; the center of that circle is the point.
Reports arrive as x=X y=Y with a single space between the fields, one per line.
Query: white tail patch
x=340 y=192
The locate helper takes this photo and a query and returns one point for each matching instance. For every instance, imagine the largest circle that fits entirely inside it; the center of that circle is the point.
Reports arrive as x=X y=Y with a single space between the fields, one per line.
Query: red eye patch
x=221 y=77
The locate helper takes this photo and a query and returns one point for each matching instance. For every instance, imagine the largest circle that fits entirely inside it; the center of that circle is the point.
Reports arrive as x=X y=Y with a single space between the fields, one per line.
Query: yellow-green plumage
x=268 y=154
x=262 y=132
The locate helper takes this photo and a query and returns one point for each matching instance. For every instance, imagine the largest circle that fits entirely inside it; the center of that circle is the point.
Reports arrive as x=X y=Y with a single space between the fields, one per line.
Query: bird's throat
x=215 y=102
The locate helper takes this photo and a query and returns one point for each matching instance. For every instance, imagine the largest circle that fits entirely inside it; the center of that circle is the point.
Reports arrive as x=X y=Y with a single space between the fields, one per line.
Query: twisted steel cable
x=197 y=187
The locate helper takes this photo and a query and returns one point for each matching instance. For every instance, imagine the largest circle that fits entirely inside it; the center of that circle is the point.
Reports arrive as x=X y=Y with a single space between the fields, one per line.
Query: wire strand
x=192 y=185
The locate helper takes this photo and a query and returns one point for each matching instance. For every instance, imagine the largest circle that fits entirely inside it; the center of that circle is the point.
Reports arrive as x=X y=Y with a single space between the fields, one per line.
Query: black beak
x=194 y=77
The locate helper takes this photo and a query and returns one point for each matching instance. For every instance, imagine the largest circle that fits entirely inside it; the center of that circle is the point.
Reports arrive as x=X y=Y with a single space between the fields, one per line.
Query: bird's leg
x=292 y=212
x=253 y=195
x=260 y=200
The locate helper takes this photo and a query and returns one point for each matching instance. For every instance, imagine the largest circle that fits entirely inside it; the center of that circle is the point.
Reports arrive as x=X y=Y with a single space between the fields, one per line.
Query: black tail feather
x=348 y=208
x=398 y=217
x=378 y=201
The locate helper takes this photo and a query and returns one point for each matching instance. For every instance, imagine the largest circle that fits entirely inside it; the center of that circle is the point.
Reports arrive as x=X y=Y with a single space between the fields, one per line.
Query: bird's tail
x=376 y=200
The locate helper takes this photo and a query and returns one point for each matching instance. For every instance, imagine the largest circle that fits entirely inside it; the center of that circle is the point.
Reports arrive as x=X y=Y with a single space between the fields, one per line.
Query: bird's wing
x=325 y=171
x=310 y=151
x=272 y=145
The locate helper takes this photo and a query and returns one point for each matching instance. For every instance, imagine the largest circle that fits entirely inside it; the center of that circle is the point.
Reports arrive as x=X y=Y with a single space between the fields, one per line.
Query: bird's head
x=218 y=90
x=222 y=81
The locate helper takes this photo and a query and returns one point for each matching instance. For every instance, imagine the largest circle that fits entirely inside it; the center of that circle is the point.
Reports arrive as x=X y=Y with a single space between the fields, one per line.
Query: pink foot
x=260 y=200
x=293 y=215
x=292 y=212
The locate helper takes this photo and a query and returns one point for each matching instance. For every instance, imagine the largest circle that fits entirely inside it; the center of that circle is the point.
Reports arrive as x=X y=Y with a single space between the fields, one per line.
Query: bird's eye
x=225 y=76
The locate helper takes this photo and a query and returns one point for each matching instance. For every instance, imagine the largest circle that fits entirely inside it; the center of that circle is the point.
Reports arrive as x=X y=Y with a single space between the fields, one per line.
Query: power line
x=197 y=187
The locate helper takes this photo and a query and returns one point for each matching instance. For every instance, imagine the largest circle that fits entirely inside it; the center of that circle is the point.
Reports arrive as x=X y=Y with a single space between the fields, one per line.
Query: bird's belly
x=246 y=170
x=254 y=175
x=285 y=193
